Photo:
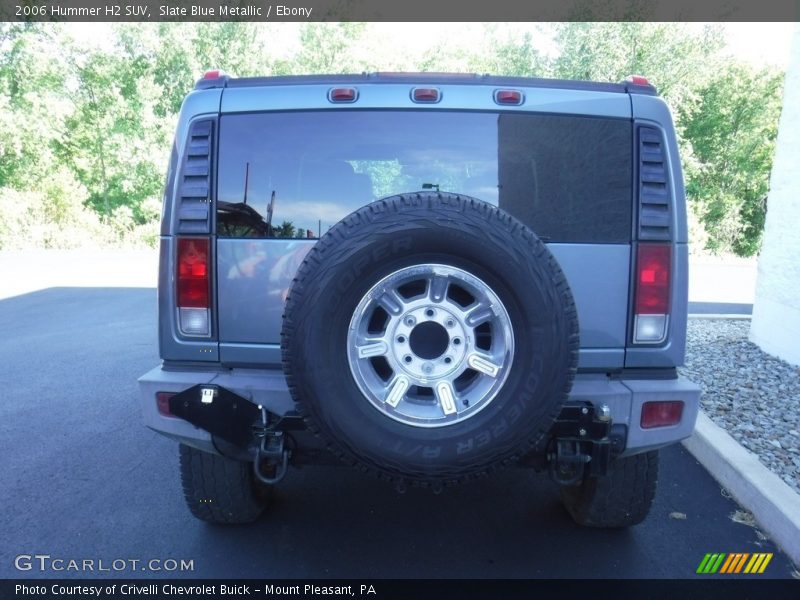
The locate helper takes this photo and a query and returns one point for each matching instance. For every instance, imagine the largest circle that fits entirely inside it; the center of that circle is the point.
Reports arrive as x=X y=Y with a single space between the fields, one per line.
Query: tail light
x=661 y=414
x=193 y=286
x=651 y=296
x=162 y=402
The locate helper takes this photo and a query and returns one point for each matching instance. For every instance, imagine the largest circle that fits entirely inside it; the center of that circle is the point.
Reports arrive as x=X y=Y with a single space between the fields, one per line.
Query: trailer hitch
x=583 y=441
x=237 y=421
x=272 y=458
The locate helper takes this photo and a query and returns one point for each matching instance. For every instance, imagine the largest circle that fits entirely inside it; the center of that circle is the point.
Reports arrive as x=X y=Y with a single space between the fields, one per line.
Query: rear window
x=296 y=174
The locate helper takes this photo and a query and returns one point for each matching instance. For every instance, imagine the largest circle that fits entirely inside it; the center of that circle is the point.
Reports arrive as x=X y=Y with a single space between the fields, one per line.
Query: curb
x=718 y=316
x=774 y=504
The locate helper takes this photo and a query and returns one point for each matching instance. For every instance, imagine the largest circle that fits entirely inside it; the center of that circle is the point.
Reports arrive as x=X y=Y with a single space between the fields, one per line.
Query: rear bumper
x=625 y=398
x=267 y=387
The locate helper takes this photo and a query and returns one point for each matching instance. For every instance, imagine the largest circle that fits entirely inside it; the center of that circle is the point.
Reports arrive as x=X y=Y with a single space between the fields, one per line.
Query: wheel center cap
x=429 y=340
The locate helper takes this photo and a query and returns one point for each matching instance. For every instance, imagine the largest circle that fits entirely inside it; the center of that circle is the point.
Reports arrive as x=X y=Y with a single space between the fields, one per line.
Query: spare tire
x=430 y=338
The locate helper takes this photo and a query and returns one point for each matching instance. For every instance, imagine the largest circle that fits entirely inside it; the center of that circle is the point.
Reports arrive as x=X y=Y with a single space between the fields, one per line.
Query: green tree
x=733 y=133
x=286 y=230
x=32 y=104
x=325 y=48
x=674 y=58
x=114 y=142
x=518 y=57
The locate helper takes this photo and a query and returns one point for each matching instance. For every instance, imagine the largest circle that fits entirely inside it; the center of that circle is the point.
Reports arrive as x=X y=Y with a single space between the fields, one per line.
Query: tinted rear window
x=297 y=174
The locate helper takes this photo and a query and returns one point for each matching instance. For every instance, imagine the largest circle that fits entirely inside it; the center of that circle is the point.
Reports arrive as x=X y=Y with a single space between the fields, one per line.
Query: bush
x=55 y=217
x=27 y=221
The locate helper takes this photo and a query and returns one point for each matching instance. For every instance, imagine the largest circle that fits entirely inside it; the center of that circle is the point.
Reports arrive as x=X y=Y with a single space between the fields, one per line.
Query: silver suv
x=427 y=277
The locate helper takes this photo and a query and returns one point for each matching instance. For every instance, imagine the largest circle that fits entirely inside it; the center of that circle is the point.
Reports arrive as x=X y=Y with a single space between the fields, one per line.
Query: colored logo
x=734 y=563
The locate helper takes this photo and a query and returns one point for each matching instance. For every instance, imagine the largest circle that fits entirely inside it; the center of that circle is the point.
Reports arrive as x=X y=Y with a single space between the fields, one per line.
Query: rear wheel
x=620 y=499
x=219 y=489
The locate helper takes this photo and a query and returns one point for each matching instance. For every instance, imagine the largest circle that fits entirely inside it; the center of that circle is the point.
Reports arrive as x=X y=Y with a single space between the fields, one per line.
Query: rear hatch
x=290 y=161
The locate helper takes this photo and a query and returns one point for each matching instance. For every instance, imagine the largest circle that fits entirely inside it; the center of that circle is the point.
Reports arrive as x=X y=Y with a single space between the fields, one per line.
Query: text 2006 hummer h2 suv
x=427 y=277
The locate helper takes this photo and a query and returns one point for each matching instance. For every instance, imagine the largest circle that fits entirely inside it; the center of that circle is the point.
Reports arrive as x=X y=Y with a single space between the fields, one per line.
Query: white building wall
x=776 y=311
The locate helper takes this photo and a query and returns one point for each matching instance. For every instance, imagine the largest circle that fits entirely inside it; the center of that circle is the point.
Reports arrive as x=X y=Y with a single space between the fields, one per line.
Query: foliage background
x=86 y=124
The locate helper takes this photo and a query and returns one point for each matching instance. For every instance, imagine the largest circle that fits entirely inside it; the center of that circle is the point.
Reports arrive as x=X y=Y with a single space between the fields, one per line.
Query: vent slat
x=192 y=170
x=650 y=174
x=197 y=149
x=194 y=192
x=654 y=194
x=191 y=213
x=655 y=218
x=651 y=153
x=202 y=128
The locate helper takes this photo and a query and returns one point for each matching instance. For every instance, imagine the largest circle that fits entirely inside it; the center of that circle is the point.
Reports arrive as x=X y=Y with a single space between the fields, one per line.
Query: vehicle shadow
x=335 y=522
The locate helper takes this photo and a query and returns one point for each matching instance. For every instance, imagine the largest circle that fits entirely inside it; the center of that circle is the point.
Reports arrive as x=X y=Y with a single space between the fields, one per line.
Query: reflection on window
x=294 y=175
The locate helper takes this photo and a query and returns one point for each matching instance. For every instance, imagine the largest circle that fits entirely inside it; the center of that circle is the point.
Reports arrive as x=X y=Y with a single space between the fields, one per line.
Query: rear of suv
x=427 y=277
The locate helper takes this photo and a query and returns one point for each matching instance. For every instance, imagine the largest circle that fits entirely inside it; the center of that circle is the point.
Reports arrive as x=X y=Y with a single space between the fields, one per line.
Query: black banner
x=400 y=10
x=381 y=589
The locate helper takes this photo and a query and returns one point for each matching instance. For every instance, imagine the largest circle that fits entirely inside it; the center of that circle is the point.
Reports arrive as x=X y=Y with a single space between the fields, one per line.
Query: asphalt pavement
x=81 y=478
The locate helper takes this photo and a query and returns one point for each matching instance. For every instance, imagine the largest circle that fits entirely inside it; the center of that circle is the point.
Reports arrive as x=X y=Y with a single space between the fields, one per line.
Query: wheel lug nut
x=407 y=358
x=429 y=312
x=449 y=323
x=427 y=367
x=401 y=339
x=410 y=321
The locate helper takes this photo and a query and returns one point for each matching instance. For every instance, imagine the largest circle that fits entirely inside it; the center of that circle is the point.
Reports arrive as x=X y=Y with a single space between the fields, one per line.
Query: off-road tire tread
x=220 y=490
x=622 y=498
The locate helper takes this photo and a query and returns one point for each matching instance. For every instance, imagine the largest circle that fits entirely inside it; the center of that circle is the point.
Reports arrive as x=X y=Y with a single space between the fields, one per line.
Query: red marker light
x=661 y=414
x=162 y=402
x=342 y=94
x=638 y=80
x=508 y=97
x=425 y=95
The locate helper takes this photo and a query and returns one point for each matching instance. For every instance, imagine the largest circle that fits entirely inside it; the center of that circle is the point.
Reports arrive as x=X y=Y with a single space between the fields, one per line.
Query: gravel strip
x=755 y=397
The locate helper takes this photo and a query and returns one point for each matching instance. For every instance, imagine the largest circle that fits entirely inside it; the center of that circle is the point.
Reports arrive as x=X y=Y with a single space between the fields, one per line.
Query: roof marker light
x=514 y=97
x=213 y=74
x=345 y=94
x=426 y=95
x=638 y=80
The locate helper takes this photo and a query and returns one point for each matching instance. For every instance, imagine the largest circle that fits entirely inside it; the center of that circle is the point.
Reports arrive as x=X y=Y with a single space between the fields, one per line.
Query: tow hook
x=567 y=463
x=272 y=459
